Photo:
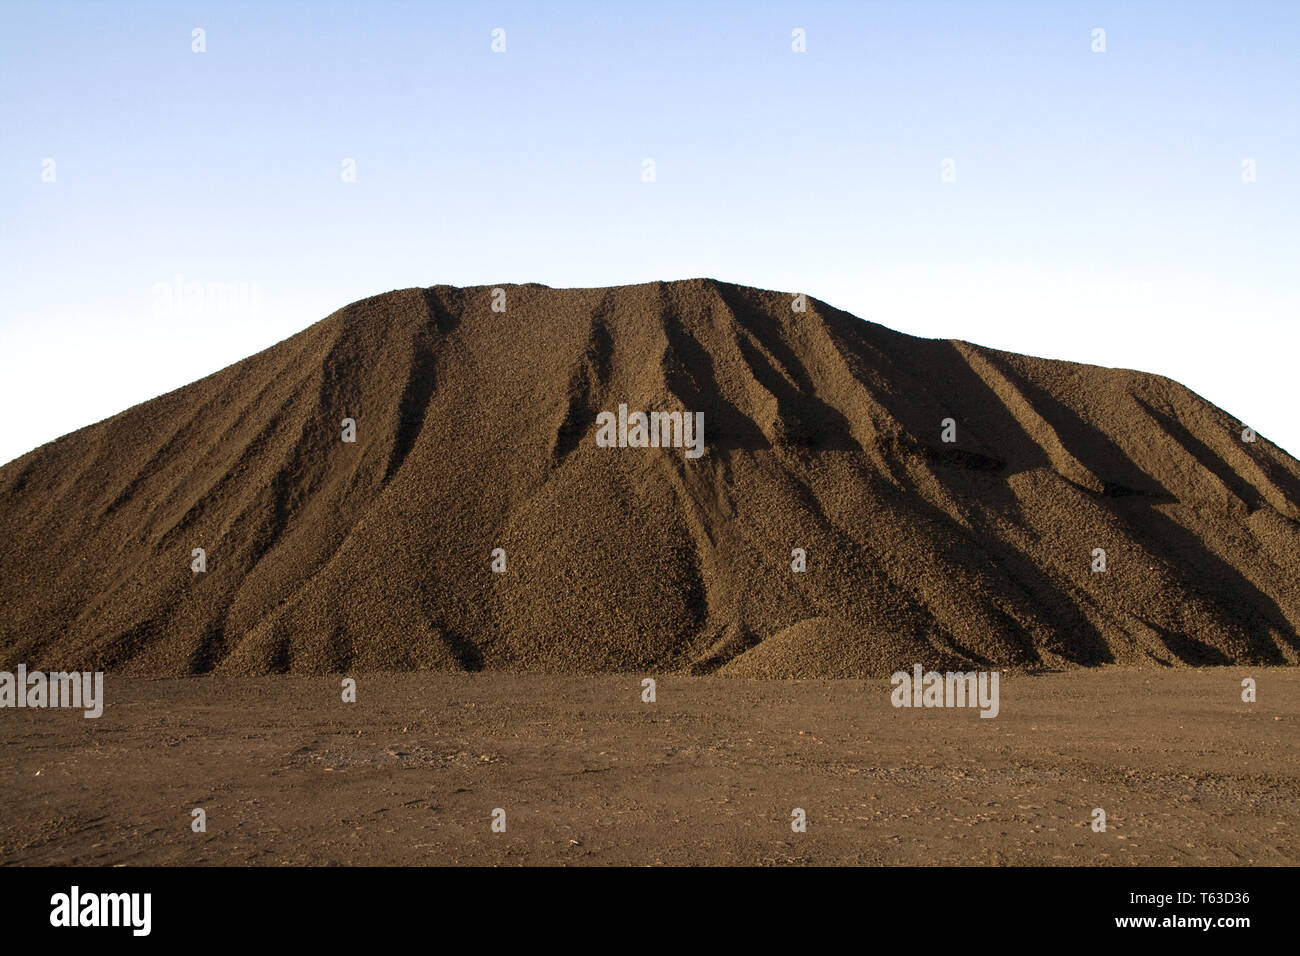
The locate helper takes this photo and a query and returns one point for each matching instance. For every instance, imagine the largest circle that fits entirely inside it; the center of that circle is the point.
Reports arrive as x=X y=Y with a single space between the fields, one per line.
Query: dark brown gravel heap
x=476 y=430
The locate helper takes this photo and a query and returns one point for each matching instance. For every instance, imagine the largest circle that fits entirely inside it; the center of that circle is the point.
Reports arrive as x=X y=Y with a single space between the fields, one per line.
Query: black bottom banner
x=333 y=905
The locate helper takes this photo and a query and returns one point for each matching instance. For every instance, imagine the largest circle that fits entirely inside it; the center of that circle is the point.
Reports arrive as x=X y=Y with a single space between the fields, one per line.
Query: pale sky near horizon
x=1099 y=213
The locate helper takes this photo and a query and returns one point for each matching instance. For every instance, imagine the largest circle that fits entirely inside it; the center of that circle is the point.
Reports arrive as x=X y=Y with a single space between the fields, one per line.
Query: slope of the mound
x=476 y=430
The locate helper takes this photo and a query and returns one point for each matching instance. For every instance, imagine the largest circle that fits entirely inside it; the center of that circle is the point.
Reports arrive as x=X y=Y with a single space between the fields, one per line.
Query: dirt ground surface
x=710 y=773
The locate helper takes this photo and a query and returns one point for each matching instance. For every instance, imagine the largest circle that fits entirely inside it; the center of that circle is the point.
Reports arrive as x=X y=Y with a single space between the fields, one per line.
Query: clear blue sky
x=1099 y=211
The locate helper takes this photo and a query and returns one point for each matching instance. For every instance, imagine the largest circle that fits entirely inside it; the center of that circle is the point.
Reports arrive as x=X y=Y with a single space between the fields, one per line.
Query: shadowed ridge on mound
x=476 y=431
